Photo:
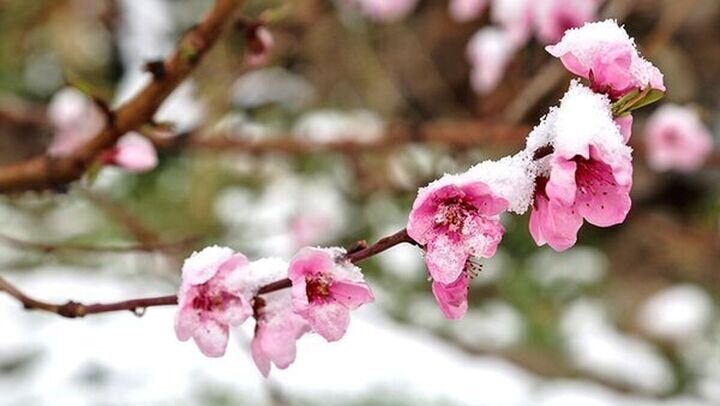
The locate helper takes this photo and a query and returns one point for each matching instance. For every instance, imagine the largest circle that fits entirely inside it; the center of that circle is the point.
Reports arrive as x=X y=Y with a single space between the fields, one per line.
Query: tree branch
x=45 y=172
x=74 y=309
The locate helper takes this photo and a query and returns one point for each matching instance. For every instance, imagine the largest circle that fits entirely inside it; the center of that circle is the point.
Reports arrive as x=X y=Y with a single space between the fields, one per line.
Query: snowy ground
x=120 y=359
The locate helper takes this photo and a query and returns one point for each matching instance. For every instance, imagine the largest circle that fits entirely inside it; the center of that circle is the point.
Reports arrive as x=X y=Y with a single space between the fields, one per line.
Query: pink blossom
x=466 y=10
x=553 y=17
x=603 y=53
x=579 y=187
x=489 y=51
x=386 y=11
x=456 y=217
x=677 y=139
x=326 y=287
x=133 y=152
x=276 y=332
x=208 y=301
x=589 y=174
x=260 y=43
x=75 y=119
x=452 y=297
x=514 y=17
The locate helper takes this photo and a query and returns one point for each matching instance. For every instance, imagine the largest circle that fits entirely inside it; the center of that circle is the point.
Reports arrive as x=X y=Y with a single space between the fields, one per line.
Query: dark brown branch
x=44 y=172
x=382 y=245
x=73 y=309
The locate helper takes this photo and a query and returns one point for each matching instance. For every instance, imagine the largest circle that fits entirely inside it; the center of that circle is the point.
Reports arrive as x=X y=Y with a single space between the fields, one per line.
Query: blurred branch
x=65 y=247
x=45 y=172
x=138 y=306
x=461 y=134
x=123 y=217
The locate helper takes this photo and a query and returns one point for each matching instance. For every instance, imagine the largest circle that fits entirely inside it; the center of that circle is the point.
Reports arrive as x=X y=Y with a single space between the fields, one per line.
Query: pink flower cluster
x=515 y=21
x=76 y=119
x=221 y=289
x=576 y=167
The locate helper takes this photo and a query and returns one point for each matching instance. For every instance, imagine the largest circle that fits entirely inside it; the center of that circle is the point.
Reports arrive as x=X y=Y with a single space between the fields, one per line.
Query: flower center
x=452 y=214
x=593 y=176
x=206 y=301
x=318 y=288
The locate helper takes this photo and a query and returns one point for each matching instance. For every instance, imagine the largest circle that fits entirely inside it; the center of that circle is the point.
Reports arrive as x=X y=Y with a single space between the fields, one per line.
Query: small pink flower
x=386 y=11
x=325 y=289
x=466 y=10
x=452 y=297
x=133 y=152
x=75 y=119
x=553 y=17
x=580 y=187
x=260 y=43
x=208 y=300
x=603 y=53
x=455 y=218
x=677 y=139
x=276 y=332
x=489 y=51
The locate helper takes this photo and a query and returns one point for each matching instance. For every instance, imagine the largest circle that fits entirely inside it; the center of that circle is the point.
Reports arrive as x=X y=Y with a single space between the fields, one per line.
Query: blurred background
x=326 y=142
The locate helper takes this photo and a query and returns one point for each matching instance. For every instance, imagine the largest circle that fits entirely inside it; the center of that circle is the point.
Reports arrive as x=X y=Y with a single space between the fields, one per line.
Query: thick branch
x=45 y=172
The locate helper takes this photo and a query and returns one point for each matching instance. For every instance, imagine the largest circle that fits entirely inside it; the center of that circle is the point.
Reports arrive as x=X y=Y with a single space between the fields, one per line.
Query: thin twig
x=73 y=309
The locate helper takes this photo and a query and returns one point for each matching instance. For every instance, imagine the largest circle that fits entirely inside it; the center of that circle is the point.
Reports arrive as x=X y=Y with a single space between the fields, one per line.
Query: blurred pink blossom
x=553 y=17
x=386 y=11
x=326 y=287
x=260 y=43
x=489 y=51
x=133 y=152
x=677 y=139
x=208 y=301
x=466 y=10
x=75 y=119
x=514 y=17
x=455 y=218
x=603 y=53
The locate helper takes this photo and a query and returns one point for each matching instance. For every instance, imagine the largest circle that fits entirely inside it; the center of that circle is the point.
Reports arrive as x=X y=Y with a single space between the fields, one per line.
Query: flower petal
x=211 y=338
x=445 y=258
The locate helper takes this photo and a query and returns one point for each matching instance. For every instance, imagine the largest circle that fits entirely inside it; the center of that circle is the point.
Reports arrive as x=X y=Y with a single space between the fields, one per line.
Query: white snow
x=678 y=313
x=595 y=346
x=512 y=178
x=272 y=85
x=579 y=266
x=325 y=126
